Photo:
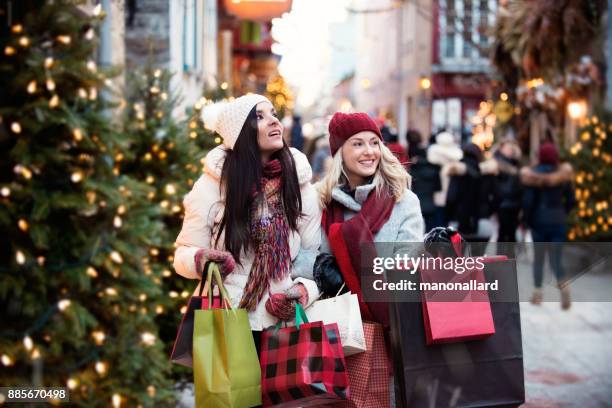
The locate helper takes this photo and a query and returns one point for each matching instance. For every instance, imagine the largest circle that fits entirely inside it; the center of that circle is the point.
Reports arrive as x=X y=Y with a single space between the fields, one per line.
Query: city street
x=568 y=355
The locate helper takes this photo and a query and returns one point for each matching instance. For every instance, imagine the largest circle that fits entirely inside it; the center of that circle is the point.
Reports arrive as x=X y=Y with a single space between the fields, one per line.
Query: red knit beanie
x=548 y=153
x=344 y=125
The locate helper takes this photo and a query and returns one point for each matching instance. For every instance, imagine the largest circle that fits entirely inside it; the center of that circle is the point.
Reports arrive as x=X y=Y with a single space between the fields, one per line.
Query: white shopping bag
x=343 y=310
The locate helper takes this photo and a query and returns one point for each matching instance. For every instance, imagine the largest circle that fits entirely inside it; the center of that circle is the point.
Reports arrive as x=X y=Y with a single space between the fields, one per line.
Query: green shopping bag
x=225 y=365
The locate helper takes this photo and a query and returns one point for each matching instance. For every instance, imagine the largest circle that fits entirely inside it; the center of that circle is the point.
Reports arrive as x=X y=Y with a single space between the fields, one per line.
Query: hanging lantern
x=257 y=10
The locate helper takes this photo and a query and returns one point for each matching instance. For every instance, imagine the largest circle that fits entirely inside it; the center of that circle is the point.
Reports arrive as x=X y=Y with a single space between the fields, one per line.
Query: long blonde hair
x=390 y=174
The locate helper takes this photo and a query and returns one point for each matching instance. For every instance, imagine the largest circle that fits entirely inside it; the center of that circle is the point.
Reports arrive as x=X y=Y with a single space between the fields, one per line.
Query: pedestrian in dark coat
x=510 y=191
x=545 y=211
x=425 y=182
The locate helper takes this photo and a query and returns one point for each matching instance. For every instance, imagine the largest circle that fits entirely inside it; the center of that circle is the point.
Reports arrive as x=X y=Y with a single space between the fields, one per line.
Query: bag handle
x=340 y=290
x=205 y=284
x=300 y=318
x=300 y=315
x=222 y=290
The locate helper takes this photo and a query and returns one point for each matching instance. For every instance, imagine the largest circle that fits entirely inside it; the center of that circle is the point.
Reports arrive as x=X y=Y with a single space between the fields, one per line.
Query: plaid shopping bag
x=183 y=345
x=302 y=365
x=368 y=372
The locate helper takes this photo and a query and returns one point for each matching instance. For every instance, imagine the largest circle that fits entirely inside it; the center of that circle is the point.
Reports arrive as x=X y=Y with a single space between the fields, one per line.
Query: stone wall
x=148 y=36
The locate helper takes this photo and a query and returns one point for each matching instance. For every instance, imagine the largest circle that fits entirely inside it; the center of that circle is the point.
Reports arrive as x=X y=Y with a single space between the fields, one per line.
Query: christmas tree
x=591 y=156
x=166 y=153
x=78 y=298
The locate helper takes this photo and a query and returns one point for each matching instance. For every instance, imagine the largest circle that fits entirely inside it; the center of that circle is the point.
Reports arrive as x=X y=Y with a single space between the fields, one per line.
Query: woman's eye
x=376 y=143
x=259 y=117
x=357 y=144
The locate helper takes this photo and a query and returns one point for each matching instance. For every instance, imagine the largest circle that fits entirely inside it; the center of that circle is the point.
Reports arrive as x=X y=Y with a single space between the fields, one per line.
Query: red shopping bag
x=302 y=365
x=368 y=372
x=453 y=316
x=183 y=344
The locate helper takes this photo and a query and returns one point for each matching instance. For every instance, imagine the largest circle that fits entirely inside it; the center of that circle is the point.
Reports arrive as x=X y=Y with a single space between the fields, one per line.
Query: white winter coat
x=204 y=211
x=443 y=153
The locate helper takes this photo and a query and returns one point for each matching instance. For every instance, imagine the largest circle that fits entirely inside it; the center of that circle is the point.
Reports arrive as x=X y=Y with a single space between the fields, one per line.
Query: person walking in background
x=545 y=211
x=425 y=181
x=254 y=212
x=392 y=143
x=297 y=137
x=465 y=206
x=443 y=153
x=508 y=157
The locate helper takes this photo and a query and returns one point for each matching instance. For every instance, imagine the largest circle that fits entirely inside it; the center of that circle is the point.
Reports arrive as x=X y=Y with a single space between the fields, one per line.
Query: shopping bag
x=302 y=365
x=225 y=365
x=183 y=344
x=343 y=310
x=449 y=320
x=368 y=372
x=485 y=372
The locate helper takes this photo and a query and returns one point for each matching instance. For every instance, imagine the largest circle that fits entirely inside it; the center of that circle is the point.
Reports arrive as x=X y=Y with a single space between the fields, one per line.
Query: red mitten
x=278 y=305
x=223 y=258
x=299 y=293
x=282 y=305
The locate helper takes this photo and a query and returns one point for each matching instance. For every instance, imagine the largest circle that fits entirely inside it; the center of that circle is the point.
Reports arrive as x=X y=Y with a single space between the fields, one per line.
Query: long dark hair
x=241 y=176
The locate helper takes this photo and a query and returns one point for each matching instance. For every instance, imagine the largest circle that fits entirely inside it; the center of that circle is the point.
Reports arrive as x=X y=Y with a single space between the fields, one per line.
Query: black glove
x=327 y=275
x=439 y=242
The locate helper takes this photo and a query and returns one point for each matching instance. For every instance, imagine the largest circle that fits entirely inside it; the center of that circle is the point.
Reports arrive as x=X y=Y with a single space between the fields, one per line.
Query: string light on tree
x=7 y=361
x=116 y=401
x=16 y=127
x=28 y=343
x=31 y=87
x=77 y=177
x=20 y=257
x=54 y=101
x=64 y=39
x=90 y=34
x=23 y=225
x=24 y=41
x=8 y=51
x=98 y=337
x=101 y=368
x=63 y=304
x=72 y=383
x=147 y=338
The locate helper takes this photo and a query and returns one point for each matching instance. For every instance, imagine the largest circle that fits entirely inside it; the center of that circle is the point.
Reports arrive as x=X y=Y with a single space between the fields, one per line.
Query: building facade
x=423 y=64
x=180 y=35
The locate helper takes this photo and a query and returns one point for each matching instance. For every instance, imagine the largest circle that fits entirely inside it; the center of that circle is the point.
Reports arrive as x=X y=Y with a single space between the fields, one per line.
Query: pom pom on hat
x=227 y=118
x=344 y=125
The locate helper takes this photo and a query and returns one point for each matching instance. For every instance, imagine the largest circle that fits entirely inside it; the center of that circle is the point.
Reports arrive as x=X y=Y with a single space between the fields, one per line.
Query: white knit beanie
x=228 y=118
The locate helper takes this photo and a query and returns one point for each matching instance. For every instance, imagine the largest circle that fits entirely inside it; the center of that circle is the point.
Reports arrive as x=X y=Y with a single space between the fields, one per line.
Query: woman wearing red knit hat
x=365 y=199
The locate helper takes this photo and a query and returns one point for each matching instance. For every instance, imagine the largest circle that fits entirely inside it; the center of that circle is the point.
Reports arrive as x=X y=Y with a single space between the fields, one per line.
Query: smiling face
x=361 y=155
x=269 y=130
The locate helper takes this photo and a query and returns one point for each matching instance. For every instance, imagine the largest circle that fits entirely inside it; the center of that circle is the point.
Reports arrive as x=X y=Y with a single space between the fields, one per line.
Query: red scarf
x=346 y=237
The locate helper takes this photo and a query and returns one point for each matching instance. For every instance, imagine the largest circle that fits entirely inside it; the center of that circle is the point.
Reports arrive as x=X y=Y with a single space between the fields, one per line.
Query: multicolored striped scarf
x=269 y=235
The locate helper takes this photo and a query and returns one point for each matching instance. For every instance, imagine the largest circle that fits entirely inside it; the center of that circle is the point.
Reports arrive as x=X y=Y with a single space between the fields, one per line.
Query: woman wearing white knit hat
x=255 y=213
